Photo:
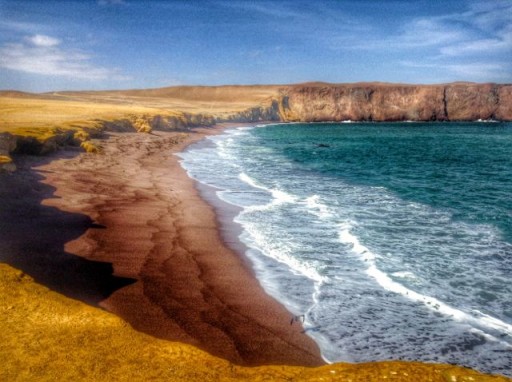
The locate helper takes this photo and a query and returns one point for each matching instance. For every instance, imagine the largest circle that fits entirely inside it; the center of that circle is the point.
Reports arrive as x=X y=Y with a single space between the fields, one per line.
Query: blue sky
x=118 y=44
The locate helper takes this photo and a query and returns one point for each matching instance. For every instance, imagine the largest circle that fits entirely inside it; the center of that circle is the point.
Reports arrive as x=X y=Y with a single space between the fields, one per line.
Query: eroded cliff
x=393 y=102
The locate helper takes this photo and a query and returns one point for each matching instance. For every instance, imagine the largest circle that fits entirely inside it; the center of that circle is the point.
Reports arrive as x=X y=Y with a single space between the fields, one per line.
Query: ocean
x=394 y=240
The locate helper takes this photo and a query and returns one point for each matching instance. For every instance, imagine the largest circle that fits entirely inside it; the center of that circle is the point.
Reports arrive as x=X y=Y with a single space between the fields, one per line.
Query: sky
x=50 y=45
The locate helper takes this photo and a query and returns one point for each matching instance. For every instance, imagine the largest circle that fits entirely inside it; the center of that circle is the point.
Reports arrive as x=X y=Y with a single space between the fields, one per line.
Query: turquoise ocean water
x=394 y=240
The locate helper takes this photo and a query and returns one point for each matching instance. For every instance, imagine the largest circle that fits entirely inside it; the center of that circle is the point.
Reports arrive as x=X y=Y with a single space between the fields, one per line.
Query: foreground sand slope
x=45 y=336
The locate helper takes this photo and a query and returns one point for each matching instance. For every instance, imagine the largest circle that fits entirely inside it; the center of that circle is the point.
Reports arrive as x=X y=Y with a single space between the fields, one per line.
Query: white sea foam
x=479 y=321
x=316 y=207
x=250 y=181
x=347 y=238
x=487 y=121
x=404 y=275
x=280 y=251
x=278 y=195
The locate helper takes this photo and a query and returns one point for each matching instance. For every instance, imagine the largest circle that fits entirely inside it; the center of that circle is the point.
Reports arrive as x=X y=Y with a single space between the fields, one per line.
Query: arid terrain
x=111 y=265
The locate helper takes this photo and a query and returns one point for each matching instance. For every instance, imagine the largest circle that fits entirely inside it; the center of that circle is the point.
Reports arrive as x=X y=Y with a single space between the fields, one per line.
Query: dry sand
x=70 y=219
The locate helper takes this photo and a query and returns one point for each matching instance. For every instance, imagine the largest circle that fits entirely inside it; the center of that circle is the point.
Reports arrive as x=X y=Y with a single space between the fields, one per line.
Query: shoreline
x=225 y=212
x=142 y=217
x=47 y=334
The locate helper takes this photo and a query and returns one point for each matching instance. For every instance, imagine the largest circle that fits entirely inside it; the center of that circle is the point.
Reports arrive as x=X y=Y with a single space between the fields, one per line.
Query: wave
x=317 y=208
x=376 y=277
x=479 y=321
x=279 y=196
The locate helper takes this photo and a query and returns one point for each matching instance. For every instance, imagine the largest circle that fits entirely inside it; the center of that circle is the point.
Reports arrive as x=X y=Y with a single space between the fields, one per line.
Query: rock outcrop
x=393 y=102
x=145 y=123
x=256 y=114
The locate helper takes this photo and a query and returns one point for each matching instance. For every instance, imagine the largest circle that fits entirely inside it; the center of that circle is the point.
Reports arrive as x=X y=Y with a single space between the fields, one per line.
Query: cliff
x=40 y=123
x=318 y=101
x=392 y=102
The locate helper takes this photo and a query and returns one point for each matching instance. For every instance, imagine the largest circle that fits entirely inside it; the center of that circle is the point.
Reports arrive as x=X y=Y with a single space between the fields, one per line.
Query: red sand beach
x=127 y=230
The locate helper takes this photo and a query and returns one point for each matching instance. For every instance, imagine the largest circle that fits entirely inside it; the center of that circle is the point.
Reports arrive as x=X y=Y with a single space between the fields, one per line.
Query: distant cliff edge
x=381 y=102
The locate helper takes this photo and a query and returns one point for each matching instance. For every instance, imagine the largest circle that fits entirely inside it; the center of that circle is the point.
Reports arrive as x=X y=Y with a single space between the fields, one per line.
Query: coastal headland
x=98 y=220
x=39 y=123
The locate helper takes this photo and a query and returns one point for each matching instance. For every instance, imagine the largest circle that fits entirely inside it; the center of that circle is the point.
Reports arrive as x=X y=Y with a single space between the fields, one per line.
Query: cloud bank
x=46 y=55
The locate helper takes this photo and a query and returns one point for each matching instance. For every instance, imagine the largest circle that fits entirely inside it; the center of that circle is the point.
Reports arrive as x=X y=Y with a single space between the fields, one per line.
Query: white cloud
x=490 y=15
x=486 y=28
x=40 y=54
x=429 y=32
x=479 y=47
x=42 y=40
x=480 y=70
x=111 y=2
x=481 y=27
x=475 y=71
x=473 y=44
x=275 y=10
x=418 y=33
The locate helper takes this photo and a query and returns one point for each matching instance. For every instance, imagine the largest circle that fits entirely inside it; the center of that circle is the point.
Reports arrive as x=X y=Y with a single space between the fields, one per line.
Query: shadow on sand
x=32 y=238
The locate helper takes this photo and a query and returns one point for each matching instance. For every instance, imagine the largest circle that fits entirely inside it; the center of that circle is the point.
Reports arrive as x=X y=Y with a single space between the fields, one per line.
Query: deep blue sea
x=393 y=240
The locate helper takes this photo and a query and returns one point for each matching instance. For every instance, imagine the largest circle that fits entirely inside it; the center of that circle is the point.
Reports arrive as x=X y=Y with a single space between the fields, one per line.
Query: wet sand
x=127 y=230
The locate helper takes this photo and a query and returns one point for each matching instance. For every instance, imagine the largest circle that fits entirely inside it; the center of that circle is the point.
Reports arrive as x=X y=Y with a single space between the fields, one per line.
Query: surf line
x=430 y=302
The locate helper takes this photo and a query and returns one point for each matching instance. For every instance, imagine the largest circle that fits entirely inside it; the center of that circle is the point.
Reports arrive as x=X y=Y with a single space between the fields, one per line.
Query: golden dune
x=45 y=336
x=38 y=114
x=40 y=117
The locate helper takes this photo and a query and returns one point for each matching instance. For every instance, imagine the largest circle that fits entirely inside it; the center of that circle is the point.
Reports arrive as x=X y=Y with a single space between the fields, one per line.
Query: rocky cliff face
x=391 y=102
x=256 y=114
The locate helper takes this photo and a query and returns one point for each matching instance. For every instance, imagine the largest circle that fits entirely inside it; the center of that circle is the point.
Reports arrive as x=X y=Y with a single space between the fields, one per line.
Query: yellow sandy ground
x=216 y=100
x=39 y=115
x=5 y=159
x=42 y=118
x=45 y=336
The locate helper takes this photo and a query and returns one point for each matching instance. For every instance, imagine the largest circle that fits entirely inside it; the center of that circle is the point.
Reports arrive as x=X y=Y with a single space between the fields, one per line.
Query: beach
x=114 y=265
x=332 y=224
x=126 y=230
